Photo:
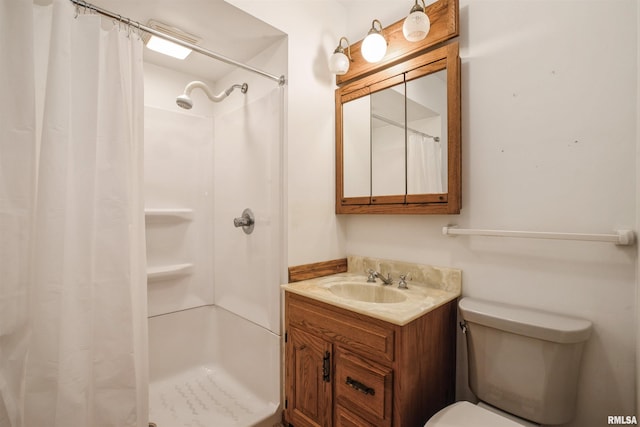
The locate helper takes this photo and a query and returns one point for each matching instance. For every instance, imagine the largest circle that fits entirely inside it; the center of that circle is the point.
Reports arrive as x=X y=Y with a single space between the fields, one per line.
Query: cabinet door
x=308 y=382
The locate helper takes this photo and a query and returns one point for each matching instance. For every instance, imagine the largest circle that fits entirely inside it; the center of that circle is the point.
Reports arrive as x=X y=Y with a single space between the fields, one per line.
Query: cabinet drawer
x=345 y=418
x=363 y=337
x=364 y=387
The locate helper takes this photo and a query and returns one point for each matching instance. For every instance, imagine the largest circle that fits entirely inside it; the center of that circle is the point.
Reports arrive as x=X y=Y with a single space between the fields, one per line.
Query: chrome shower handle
x=246 y=221
x=243 y=221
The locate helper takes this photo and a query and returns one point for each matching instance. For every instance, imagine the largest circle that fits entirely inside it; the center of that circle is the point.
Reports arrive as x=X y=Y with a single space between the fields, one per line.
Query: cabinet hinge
x=286 y=403
x=326 y=367
x=286 y=337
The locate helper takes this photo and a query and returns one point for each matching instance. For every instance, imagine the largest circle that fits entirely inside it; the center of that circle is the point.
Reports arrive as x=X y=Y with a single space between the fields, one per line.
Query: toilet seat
x=466 y=414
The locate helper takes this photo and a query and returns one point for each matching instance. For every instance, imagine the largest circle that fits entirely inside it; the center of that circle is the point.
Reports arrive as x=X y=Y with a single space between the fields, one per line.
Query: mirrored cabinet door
x=357 y=147
x=388 y=147
x=427 y=134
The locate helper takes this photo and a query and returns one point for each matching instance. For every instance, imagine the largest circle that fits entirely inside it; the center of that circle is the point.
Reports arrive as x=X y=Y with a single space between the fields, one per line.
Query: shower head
x=185 y=101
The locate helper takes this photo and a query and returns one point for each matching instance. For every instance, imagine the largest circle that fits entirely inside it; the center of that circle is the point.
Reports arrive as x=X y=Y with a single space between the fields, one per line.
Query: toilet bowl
x=466 y=414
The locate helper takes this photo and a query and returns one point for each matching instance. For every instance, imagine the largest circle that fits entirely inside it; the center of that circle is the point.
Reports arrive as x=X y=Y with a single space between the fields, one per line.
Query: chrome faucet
x=402 y=284
x=374 y=274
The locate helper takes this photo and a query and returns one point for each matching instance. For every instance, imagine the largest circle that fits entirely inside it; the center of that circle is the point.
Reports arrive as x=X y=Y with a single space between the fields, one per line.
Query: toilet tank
x=524 y=361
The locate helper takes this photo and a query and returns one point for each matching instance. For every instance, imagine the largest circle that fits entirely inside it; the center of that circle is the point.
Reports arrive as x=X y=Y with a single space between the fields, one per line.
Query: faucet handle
x=371 y=275
x=402 y=283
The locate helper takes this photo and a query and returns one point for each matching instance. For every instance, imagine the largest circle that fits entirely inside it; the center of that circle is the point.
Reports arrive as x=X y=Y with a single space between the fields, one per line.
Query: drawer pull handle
x=360 y=387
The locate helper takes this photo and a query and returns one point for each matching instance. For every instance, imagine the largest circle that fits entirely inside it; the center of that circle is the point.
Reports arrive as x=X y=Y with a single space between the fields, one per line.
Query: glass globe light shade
x=374 y=47
x=338 y=63
x=416 y=26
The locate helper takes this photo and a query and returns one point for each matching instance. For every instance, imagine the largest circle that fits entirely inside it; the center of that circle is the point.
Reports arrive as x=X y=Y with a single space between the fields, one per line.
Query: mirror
x=398 y=138
x=427 y=134
x=388 y=148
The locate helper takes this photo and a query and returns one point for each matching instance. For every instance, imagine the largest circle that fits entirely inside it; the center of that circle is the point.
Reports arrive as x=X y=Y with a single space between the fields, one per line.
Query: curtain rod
x=80 y=3
x=400 y=125
x=621 y=238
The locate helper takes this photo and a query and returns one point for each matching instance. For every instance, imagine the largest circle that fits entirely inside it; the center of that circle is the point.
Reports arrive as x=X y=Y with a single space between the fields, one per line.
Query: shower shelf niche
x=163 y=272
x=168 y=215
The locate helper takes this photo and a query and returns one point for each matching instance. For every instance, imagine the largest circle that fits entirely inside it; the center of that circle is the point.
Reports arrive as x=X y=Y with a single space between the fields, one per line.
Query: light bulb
x=338 y=63
x=416 y=26
x=374 y=47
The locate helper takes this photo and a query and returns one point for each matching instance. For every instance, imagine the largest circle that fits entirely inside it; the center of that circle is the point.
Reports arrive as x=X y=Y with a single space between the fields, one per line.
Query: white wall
x=549 y=143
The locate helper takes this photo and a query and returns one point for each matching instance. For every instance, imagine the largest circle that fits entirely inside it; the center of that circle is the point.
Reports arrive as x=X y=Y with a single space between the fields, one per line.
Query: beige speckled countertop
x=429 y=288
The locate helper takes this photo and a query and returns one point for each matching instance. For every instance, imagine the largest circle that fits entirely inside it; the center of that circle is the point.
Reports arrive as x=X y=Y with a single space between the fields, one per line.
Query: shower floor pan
x=206 y=396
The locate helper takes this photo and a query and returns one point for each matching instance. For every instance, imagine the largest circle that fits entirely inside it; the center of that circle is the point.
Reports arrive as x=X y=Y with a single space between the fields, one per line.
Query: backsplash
x=445 y=278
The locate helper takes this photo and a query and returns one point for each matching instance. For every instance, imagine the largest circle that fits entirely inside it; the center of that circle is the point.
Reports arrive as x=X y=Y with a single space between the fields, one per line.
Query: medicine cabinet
x=398 y=147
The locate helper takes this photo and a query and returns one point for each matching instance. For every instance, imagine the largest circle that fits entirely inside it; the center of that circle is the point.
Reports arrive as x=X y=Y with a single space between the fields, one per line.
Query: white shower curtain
x=424 y=165
x=73 y=293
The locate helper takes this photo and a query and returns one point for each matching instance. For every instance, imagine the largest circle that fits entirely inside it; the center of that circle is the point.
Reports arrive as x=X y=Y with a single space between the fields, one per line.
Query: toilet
x=523 y=366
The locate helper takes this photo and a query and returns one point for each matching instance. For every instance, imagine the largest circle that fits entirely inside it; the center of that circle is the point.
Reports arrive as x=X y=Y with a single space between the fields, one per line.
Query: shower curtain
x=424 y=165
x=72 y=265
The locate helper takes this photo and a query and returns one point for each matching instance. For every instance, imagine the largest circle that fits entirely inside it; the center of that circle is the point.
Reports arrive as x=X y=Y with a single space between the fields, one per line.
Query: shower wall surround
x=179 y=208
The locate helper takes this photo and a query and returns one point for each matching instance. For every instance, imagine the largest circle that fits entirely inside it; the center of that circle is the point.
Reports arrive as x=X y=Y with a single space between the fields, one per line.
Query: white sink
x=367 y=293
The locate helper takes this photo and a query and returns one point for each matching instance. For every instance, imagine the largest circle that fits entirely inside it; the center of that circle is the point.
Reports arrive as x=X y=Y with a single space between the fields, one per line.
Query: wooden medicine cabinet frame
x=405 y=62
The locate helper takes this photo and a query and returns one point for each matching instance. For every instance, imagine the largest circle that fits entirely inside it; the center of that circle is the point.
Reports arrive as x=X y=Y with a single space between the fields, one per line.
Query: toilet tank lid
x=525 y=321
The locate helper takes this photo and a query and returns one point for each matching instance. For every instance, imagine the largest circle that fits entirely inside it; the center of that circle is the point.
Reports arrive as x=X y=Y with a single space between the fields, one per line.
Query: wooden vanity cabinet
x=346 y=369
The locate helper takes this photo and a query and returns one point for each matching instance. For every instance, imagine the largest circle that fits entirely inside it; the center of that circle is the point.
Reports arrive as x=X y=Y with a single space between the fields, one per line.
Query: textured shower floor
x=205 y=396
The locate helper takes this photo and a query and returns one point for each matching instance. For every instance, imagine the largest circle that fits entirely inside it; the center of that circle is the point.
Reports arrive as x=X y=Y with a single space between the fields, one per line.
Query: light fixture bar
x=280 y=79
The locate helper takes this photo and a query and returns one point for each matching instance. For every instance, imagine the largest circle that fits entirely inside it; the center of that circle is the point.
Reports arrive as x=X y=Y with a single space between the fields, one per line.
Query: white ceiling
x=223 y=29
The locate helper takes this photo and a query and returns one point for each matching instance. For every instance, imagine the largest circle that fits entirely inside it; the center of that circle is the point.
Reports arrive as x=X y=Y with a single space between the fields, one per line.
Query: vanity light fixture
x=374 y=46
x=339 y=62
x=167 y=47
x=416 y=26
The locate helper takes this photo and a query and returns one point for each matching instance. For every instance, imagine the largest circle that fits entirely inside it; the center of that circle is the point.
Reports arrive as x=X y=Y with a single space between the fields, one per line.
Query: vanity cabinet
x=348 y=369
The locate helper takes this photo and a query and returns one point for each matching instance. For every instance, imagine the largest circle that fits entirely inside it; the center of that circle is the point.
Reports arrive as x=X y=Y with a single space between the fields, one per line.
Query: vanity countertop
x=405 y=305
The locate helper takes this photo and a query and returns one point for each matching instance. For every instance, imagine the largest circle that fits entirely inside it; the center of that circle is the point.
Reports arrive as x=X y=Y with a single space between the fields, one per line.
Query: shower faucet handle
x=246 y=221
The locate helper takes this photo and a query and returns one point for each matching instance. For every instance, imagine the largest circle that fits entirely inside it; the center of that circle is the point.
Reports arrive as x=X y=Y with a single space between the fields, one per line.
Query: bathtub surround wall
x=549 y=144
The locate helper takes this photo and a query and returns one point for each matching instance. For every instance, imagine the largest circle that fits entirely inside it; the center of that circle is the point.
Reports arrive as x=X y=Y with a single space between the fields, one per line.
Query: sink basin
x=367 y=293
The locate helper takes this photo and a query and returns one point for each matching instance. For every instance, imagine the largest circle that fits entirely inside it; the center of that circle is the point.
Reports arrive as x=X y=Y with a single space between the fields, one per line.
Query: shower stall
x=213 y=284
x=214 y=326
